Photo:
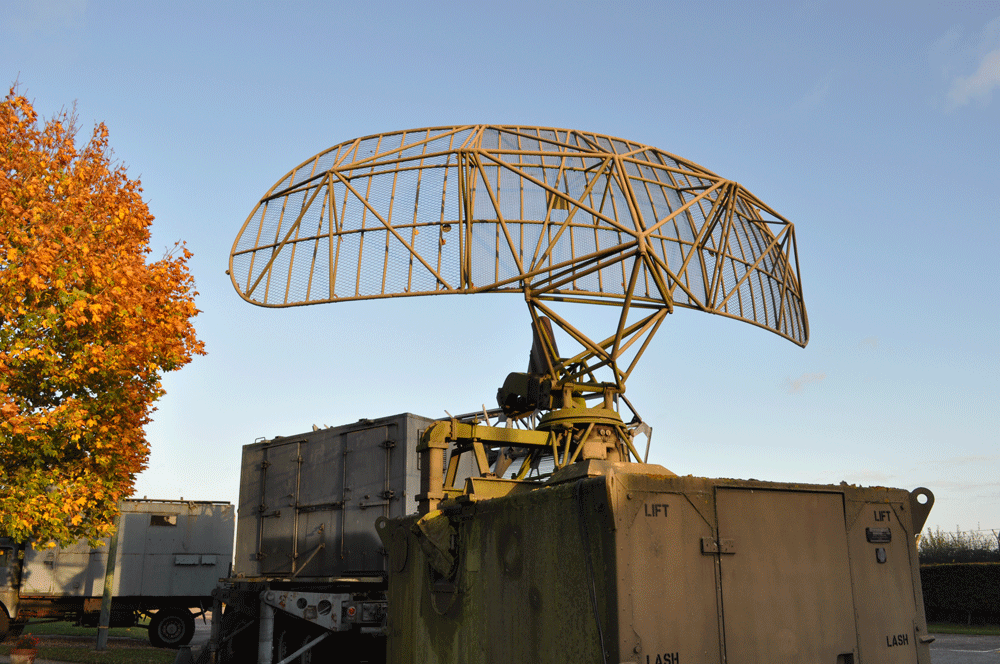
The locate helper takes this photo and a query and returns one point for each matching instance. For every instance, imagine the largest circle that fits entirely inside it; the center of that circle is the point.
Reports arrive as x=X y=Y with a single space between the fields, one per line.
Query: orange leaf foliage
x=87 y=327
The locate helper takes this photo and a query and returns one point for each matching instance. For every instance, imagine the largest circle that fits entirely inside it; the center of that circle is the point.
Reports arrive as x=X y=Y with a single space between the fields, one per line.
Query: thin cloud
x=969 y=65
x=963 y=487
x=798 y=384
x=979 y=85
x=978 y=460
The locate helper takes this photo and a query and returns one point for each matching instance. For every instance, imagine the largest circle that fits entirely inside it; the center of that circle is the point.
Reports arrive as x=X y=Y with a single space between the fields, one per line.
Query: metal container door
x=786 y=579
x=368 y=495
x=279 y=496
x=320 y=525
x=668 y=582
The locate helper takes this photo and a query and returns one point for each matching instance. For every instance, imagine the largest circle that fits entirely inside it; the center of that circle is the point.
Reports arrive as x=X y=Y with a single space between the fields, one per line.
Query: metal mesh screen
x=567 y=214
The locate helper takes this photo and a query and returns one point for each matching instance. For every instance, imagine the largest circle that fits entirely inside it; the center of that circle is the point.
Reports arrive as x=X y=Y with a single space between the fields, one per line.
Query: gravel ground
x=963 y=649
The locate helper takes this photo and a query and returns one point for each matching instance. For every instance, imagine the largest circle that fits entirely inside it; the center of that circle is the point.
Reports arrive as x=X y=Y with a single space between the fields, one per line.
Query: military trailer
x=171 y=555
x=344 y=548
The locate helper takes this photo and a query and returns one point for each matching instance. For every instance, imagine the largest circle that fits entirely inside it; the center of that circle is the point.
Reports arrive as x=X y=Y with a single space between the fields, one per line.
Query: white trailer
x=170 y=556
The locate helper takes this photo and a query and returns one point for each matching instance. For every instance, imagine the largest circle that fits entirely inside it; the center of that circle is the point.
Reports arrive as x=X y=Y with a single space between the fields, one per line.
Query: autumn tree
x=88 y=325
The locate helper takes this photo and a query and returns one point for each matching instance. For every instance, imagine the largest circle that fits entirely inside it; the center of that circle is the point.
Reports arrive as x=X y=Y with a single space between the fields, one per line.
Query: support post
x=109 y=586
x=431 y=451
x=265 y=641
x=213 y=639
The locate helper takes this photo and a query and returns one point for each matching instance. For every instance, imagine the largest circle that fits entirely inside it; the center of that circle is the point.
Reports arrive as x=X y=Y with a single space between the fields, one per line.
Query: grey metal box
x=308 y=503
x=166 y=548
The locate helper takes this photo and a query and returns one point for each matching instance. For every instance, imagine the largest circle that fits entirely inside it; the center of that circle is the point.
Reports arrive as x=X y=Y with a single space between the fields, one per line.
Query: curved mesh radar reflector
x=553 y=213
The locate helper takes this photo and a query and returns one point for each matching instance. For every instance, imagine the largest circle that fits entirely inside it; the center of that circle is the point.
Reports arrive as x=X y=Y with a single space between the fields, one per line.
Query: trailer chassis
x=290 y=618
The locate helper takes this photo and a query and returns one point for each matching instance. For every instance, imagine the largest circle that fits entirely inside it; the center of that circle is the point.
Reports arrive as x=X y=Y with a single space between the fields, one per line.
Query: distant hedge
x=974 y=546
x=961 y=588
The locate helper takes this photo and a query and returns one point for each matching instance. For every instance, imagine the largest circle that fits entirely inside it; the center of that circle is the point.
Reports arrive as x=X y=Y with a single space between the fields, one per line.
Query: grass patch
x=128 y=645
x=87 y=655
x=69 y=629
x=972 y=630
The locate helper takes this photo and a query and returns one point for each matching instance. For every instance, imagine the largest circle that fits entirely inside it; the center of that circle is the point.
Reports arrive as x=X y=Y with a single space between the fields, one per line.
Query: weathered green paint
x=521 y=582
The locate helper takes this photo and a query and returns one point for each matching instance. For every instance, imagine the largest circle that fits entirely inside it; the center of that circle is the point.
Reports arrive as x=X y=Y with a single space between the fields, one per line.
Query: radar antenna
x=560 y=216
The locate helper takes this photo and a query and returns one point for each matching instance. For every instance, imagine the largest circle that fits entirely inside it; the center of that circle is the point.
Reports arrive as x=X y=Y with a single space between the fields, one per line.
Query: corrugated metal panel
x=308 y=503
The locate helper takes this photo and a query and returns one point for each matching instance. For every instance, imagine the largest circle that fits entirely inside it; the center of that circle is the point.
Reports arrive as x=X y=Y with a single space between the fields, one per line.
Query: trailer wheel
x=171 y=628
x=291 y=639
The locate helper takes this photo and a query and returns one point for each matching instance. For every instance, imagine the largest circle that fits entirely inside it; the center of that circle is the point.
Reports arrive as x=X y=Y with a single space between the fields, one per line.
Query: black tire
x=289 y=640
x=171 y=628
x=4 y=623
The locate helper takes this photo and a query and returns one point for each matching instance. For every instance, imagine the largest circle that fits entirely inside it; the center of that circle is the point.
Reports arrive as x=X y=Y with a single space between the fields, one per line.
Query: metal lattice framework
x=555 y=214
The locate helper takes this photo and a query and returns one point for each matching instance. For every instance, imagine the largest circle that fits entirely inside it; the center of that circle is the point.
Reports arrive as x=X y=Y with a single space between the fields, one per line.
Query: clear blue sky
x=874 y=127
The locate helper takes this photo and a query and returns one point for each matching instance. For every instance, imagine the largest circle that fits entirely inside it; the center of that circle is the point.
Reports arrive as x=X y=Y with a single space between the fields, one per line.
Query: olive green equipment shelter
x=625 y=562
